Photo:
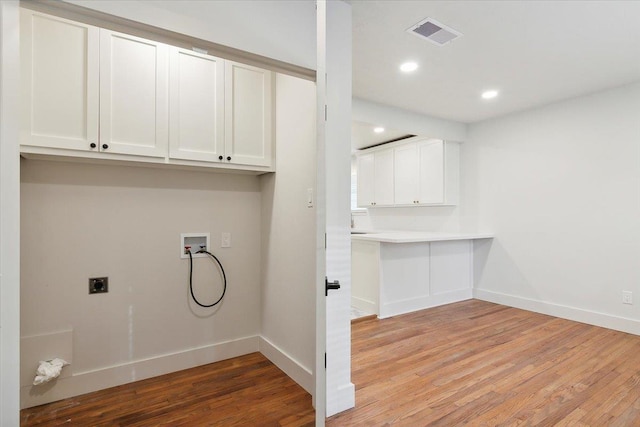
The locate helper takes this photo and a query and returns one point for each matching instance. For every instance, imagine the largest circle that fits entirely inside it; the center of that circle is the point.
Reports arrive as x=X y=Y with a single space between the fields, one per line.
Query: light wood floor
x=472 y=363
x=483 y=364
x=245 y=391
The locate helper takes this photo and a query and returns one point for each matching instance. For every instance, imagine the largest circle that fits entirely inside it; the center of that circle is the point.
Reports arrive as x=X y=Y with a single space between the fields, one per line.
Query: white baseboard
x=604 y=320
x=396 y=308
x=86 y=382
x=364 y=305
x=341 y=399
x=288 y=365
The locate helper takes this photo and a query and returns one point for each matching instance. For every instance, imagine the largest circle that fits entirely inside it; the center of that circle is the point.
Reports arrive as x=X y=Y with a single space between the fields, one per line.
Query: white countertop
x=415 y=236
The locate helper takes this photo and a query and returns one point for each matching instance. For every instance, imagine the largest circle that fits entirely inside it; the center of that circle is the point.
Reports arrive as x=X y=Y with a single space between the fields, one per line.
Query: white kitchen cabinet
x=375 y=179
x=406 y=172
x=431 y=177
x=426 y=173
x=59 y=84
x=248 y=115
x=439 y=172
x=366 y=180
x=196 y=111
x=416 y=172
x=133 y=95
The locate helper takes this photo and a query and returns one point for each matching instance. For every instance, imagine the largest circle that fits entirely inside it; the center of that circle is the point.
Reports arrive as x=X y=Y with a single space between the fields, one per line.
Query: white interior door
x=335 y=392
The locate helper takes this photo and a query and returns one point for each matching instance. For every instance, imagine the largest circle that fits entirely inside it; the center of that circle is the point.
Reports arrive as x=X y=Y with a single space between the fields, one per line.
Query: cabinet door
x=366 y=180
x=384 y=178
x=196 y=106
x=59 y=83
x=133 y=95
x=248 y=115
x=406 y=173
x=431 y=172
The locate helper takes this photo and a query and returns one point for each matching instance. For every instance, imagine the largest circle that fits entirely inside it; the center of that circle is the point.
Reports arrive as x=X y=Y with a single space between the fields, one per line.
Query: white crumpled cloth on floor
x=48 y=370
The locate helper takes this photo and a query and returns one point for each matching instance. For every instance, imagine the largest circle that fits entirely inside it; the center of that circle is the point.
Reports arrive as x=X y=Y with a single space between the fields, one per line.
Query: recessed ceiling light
x=408 y=67
x=378 y=130
x=488 y=94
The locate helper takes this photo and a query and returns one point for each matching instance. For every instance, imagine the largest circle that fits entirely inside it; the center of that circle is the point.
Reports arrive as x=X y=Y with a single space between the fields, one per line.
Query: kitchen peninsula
x=396 y=272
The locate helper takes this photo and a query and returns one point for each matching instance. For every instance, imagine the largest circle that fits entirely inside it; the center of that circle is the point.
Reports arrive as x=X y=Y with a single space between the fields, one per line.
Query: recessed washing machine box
x=195 y=242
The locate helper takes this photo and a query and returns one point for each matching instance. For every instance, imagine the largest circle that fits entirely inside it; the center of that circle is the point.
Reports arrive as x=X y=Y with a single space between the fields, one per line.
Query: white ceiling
x=533 y=52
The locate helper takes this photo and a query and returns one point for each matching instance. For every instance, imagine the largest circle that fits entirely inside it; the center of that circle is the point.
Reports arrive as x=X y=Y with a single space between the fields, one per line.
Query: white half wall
x=9 y=215
x=559 y=186
x=288 y=235
x=86 y=220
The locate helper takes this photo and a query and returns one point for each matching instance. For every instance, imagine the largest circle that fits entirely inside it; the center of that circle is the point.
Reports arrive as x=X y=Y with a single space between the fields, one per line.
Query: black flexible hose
x=224 y=278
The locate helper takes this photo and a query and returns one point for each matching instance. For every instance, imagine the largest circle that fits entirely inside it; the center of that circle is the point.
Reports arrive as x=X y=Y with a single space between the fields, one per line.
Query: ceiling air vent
x=435 y=32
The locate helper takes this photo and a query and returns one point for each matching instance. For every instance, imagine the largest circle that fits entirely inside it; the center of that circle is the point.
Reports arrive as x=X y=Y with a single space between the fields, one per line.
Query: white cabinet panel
x=366 y=180
x=451 y=266
x=431 y=158
x=406 y=171
x=133 y=95
x=451 y=173
x=375 y=179
x=196 y=130
x=405 y=272
x=248 y=118
x=384 y=178
x=59 y=61
x=365 y=275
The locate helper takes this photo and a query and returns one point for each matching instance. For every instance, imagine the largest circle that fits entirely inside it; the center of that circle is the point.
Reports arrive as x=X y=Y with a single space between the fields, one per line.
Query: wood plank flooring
x=473 y=363
x=483 y=364
x=245 y=391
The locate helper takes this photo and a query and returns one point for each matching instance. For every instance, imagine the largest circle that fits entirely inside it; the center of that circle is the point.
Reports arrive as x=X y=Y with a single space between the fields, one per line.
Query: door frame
x=9 y=213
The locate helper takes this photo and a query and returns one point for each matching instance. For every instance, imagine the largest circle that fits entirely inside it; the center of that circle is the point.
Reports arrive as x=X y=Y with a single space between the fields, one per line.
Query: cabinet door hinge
x=325 y=361
x=325 y=113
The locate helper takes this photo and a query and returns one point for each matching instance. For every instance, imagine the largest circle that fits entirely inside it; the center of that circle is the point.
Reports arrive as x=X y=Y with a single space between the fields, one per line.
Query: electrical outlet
x=226 y=240
x=627 y=297
x=98 y=285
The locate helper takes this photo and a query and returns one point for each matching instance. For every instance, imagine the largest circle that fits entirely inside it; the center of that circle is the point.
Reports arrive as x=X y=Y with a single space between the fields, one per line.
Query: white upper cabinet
x=196 y=124
x=439 y=172
x=406 y=171
x=59 y=84
x=384 y=178
x=375 y=179
x=366 y=180
x=431 y=175
x=418 y=172
x=248 y=119
x=133 y=95
x=95 y=93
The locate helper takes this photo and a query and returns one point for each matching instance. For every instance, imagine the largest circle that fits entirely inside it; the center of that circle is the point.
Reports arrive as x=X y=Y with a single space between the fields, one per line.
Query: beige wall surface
x=83 y=220
x=289 y=240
